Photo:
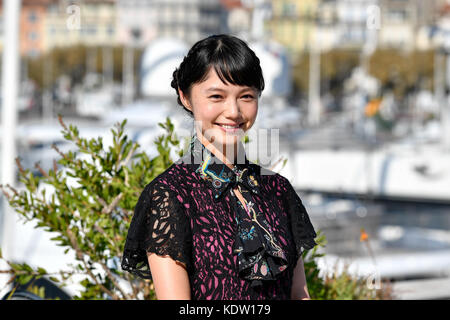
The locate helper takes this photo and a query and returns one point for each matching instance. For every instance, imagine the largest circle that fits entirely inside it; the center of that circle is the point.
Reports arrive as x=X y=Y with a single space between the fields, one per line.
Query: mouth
x=230 y=128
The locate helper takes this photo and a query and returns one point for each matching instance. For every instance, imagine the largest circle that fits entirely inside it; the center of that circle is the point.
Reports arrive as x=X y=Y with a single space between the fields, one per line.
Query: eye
x=248 y=97
x=215 y=97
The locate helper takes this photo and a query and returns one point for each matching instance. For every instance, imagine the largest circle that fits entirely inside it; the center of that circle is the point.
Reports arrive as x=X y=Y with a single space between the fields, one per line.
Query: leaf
x=41 y=271
x=24 y=279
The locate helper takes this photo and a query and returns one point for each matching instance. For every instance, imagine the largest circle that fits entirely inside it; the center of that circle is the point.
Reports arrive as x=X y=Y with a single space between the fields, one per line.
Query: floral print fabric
x=230 y=249
x=258 y=253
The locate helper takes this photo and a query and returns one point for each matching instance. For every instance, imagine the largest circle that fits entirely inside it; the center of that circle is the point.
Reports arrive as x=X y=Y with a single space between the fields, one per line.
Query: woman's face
x=215 y=104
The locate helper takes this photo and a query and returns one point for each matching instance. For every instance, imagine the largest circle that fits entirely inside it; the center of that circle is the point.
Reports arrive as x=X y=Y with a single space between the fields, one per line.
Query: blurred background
x=359 y=91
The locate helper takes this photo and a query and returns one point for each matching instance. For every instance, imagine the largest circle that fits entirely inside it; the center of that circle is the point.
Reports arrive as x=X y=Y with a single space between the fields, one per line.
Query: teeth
x=229 y=127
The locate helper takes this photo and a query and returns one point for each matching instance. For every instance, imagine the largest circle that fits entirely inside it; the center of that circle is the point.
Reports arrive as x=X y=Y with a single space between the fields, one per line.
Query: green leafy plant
x=88 y=203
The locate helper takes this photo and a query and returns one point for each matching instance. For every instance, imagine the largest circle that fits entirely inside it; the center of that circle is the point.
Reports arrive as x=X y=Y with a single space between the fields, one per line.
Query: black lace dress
x=230 y=249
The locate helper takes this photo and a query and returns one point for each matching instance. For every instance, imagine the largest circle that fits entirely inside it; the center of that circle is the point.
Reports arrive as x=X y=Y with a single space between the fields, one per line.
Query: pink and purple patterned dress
x=231 y=250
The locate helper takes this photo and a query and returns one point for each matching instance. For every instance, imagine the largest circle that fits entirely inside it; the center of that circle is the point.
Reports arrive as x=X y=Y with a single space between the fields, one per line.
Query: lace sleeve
x=300 y=224
x=159 y=225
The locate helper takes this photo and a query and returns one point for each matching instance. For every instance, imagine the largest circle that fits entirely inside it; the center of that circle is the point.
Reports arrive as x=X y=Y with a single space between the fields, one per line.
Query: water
x=409 y=214
x=392 y=226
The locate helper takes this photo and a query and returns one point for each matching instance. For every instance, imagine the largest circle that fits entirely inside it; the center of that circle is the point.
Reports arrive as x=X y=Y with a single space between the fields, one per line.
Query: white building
x=344 y=23
x=400 y=24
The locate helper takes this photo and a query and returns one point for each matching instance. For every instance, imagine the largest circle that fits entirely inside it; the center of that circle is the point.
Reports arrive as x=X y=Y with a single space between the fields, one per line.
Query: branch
x=125 y=162
x=79 y=254
x=19 y=165
x=42 y=171
x=59 y=151
x=55 y=166
x=103 y=233
x=64 y=274
x=128 y=158
x=35 y=273
x=62 y=122
x=113 y=204
x=126 y=179
x=77 y=139
x=112 y=278
x=133 y=286
x=7 y=195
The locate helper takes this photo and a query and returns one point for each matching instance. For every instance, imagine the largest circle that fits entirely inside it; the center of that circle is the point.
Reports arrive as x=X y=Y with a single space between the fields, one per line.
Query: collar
x=218 y=174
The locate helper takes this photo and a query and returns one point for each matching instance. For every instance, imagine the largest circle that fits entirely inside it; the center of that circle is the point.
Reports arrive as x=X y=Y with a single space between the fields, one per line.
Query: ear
x=184 y=100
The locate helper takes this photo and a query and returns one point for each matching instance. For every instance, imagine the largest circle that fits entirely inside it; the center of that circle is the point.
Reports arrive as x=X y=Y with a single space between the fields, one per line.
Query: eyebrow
x=222 y=90
x=214 y=89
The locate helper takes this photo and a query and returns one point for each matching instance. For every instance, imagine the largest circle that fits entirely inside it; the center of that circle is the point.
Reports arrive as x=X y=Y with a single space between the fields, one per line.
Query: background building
x=190 y=20
x=46 y=24
x=88 y=22
x=293 y=23
x=33 y=27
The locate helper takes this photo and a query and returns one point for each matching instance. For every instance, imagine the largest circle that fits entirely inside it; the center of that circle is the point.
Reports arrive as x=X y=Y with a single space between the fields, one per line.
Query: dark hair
x=232 y=59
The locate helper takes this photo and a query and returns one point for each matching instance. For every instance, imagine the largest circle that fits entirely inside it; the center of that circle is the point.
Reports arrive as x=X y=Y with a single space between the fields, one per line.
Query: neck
x=227 y=154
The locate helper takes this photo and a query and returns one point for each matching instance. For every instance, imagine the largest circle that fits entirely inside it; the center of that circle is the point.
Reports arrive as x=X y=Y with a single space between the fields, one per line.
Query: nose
x=233 y=110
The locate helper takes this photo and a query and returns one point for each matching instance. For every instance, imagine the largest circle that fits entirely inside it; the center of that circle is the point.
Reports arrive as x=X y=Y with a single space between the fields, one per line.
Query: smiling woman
x=215 y=225
x=222 y=113
x=221 y=78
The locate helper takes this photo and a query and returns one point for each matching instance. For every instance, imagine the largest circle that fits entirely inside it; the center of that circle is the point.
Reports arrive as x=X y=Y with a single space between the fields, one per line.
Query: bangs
x=237 y=67
x=233 y=61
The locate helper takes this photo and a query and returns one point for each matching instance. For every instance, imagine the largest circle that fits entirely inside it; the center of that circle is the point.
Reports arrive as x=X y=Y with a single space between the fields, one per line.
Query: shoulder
x=165 y=194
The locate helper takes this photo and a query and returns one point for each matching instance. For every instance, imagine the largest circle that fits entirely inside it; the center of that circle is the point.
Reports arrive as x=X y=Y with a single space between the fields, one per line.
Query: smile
x=229 y=128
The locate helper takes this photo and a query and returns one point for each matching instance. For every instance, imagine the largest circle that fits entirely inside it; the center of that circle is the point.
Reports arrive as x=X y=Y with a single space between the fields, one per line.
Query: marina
x=372 y=169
